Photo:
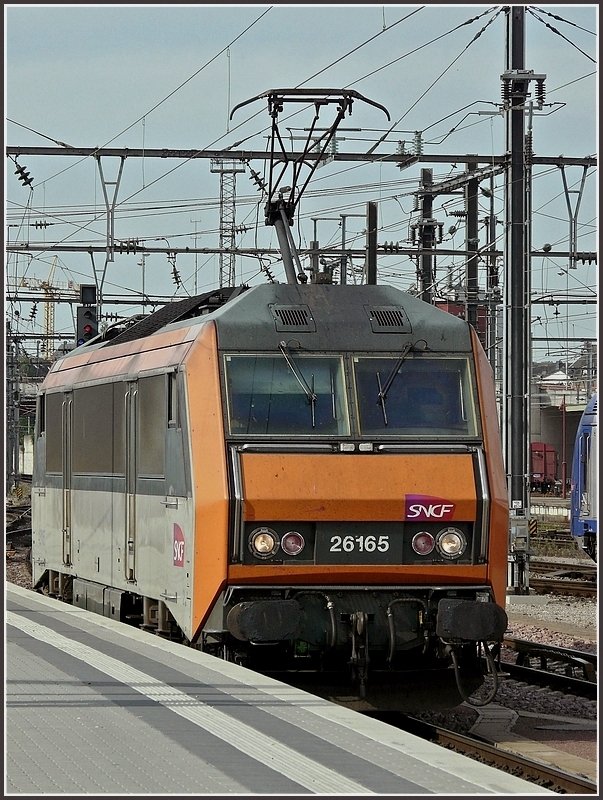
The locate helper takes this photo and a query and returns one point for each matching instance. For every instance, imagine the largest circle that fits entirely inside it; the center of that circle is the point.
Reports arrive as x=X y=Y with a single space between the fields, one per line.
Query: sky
x=159 y=76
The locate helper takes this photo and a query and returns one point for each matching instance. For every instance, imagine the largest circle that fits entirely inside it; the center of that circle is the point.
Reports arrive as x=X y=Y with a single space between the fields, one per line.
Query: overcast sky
x=155 y=76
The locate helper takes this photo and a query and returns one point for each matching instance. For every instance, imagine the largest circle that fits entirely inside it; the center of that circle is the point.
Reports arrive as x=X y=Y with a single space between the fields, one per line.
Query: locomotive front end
x=367 y=512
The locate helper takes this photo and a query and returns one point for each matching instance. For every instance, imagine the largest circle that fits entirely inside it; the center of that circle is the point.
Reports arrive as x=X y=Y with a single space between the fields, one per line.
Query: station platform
x=94 y=706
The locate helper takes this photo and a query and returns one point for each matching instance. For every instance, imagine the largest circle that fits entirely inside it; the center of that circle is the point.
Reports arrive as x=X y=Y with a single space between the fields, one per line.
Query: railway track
x=546 y=665
x=563 y=577
x=544 y=775
x=16 y=515
x=553 y=541
x=570 y=569
x=564 y=586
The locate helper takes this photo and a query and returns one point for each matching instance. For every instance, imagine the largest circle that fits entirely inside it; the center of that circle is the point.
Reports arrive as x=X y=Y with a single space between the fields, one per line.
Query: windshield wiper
x=383 y=390
x=309 y=392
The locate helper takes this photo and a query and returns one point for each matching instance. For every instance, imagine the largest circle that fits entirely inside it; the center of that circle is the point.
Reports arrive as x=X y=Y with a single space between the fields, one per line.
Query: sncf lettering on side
x=178 y=546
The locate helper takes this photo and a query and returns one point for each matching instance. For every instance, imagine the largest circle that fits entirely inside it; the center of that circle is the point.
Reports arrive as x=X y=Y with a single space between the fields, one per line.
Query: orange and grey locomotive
x=292 y=477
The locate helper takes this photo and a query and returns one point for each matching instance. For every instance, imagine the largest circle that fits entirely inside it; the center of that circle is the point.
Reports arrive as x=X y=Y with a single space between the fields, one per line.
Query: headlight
x=423 y=543
x=292 y=543
x=451 y=542
x=263 y=542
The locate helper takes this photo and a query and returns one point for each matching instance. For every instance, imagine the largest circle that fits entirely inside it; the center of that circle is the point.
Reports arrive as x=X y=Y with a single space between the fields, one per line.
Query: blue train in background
x=584 y=481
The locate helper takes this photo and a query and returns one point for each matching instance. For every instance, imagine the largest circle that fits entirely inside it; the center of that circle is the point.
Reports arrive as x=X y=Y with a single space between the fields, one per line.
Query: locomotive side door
x=66 y=417
x=131 y=402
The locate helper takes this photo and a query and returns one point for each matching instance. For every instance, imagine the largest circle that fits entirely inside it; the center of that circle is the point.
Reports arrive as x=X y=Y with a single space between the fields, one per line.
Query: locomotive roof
x=333 y=318
x=323 y=317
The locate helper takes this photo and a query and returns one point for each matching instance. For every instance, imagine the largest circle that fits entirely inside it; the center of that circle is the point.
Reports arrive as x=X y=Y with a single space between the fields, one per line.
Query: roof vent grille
x=293 y=318
x=388 y=319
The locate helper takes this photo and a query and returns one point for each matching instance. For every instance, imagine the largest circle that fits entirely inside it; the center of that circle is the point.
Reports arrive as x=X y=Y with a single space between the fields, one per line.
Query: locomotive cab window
x=416 y=395
x=286 y=394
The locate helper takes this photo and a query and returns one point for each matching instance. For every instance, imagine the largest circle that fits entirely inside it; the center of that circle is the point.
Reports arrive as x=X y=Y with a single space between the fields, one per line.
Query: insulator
x=24 y=175
x=258 y=180
x=540 y=92
x=418 y=143
x=528 y=150
x=458 y=213
x=505 y=91
x=266 y=269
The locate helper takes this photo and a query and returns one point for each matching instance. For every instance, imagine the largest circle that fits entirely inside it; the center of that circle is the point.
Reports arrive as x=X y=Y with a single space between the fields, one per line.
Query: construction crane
x=51 y=292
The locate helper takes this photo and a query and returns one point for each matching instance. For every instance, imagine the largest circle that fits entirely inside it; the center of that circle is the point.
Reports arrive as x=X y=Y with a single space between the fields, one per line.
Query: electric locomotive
x=300 y=478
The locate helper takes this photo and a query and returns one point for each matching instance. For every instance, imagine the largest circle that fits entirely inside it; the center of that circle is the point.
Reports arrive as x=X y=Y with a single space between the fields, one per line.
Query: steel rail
x=536 y=771
x=565 y=587
x=549 y=657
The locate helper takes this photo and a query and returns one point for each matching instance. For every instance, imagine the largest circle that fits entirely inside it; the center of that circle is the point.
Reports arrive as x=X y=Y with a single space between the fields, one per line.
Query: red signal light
x=87 y=325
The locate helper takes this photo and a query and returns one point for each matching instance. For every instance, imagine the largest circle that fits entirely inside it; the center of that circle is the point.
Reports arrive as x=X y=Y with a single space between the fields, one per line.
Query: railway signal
x=87 y=325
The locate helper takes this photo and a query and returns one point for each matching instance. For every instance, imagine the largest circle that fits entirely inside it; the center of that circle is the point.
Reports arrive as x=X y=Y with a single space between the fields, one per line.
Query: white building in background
x=26 y=455
x=559 y=388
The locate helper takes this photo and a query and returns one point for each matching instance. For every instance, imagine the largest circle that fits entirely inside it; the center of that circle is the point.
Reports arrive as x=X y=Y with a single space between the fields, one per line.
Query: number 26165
x=359 y=544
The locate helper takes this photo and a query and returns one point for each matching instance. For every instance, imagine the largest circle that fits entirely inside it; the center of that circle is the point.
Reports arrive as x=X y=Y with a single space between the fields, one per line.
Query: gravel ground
x=565 y=621
x=17 y=569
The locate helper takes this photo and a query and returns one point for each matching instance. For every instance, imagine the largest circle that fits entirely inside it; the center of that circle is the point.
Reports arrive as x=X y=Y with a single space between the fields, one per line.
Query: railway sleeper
x=553 y=659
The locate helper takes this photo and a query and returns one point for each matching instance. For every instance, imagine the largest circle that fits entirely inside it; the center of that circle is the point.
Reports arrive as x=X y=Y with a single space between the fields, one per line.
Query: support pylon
x=227 y=170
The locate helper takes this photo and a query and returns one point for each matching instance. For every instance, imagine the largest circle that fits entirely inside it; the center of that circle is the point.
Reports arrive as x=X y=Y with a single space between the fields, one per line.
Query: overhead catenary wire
x=546 y=24
x=166 y=97
x=441 y=75
x=561 y=19
x=99 y=216
x=238 y=143
x=341 y=191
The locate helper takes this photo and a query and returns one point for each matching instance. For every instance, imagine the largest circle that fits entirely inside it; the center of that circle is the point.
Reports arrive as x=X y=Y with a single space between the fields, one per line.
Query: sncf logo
x=421 y=507
x=178 y=551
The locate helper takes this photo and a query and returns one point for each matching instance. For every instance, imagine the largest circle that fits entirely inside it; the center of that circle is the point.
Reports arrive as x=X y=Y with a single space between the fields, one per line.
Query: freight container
x=543 y=467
